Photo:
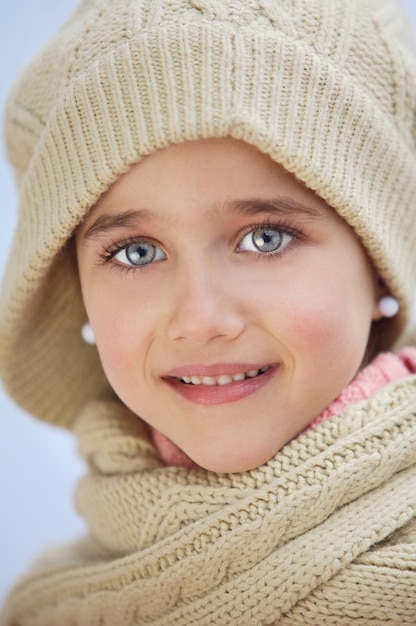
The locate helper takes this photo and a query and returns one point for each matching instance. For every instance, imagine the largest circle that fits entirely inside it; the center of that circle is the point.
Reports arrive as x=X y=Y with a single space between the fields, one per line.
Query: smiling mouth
x=222 y=379
x=216 y=384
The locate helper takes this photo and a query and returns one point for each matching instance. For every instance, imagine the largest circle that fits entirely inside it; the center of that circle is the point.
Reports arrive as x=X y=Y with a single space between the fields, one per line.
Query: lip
x=217 y=394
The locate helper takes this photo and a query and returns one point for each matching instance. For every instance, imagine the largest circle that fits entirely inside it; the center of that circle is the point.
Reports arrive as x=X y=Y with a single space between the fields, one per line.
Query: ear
x=380 y=291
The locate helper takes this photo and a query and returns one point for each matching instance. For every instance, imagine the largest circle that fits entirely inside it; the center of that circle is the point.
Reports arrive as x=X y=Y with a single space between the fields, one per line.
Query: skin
x=299 y=296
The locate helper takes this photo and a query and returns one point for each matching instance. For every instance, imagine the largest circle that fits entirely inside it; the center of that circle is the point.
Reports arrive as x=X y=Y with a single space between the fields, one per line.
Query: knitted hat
x=327 y=88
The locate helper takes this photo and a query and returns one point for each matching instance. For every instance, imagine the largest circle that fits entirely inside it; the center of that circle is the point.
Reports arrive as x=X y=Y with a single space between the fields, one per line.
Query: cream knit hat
x=325 y=87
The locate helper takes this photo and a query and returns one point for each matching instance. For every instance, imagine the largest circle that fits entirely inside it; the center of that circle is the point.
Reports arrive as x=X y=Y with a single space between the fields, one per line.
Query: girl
x=214 y=260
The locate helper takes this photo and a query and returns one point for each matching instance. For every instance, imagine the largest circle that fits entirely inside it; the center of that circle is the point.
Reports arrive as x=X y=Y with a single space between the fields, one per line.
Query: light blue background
x=38 y=464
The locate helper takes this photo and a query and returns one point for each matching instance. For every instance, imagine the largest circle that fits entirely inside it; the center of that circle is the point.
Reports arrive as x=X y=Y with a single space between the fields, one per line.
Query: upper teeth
x=223 y=379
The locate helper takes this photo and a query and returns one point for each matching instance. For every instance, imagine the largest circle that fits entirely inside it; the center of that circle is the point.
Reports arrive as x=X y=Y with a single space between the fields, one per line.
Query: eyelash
x=108 y=254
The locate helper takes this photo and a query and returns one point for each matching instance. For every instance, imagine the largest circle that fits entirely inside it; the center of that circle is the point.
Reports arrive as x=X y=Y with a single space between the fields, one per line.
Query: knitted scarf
x=322 y=534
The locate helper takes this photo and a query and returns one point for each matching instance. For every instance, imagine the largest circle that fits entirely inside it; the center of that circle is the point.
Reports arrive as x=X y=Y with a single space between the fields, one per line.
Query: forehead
x=210 y=174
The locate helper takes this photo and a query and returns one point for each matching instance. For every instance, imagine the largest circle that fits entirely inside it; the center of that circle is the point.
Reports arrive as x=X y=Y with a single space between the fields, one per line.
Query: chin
x=232 y=464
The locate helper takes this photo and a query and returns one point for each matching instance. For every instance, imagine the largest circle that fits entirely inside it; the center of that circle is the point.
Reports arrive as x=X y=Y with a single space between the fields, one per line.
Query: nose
x=204 y=308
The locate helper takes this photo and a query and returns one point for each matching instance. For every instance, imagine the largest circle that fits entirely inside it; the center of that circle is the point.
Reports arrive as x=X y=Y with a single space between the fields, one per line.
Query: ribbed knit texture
x=326 y=87
x=324 y=534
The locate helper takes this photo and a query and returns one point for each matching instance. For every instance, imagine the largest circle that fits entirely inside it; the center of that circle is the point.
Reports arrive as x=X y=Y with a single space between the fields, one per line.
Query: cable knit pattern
x=322 y=534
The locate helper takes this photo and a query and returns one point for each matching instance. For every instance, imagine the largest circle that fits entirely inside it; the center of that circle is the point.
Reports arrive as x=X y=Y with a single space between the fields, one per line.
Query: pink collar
x=386 y=368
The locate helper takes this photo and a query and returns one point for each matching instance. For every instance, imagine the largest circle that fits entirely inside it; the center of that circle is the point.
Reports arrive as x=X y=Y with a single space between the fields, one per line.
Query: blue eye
x=139 y=254
x=265 y=240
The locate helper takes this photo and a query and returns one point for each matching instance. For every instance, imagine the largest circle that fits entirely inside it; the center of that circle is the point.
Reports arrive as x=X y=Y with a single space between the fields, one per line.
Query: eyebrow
x=275 y=206
x=251 y=207
x=124 y=219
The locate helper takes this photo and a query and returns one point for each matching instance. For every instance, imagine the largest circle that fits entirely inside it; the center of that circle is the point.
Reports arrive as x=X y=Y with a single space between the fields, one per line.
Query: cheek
x=322 y=321
x=313 y=332
x=120 y=345
x=125 y=317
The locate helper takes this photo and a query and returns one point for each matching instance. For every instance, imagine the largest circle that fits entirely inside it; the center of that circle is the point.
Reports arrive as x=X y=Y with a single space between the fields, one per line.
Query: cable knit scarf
x=322 y=534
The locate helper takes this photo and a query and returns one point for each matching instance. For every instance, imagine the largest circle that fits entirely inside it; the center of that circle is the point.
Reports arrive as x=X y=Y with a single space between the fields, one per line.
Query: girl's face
x=230 y=304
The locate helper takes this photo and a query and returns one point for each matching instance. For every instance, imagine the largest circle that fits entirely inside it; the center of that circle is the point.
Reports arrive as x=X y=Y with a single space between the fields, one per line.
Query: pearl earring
x=87 y=334
x=388 y=306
